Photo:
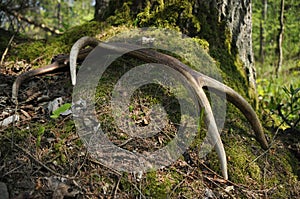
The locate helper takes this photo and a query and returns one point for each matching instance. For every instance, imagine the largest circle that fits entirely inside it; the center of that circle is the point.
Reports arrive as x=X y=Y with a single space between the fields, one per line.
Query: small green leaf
x=131 y=108
x=54 y=116
x=40 y=134
x=41 y=130
x=60 y=110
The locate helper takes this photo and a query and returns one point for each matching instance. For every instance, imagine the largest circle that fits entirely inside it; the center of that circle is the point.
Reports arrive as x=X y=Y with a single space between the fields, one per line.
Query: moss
x=242 y=166
x=46 y=49
x=121 y=16
x=168 y=15
x=157 y=186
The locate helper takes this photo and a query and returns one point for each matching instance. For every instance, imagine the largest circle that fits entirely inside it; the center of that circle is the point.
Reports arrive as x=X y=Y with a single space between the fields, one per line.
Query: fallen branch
x=36 y=24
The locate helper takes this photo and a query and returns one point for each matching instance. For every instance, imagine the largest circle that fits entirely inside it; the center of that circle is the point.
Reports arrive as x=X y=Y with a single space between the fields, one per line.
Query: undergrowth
x=280 y=96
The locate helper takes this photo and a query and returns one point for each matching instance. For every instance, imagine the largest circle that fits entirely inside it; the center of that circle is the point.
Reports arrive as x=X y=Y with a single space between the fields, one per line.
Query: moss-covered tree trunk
x=226 y=25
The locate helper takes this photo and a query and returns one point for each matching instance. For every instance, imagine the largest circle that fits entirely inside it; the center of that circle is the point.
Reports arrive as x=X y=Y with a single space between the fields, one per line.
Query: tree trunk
x=100 y=9
x=226 y=25
x=237 y=15
x=58 y=14
x=262 y=30
x=280 y=38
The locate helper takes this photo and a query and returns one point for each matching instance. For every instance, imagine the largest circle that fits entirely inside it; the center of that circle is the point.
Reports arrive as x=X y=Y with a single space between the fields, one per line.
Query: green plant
x=61 y=109
x=289 y=108
x=40 y=134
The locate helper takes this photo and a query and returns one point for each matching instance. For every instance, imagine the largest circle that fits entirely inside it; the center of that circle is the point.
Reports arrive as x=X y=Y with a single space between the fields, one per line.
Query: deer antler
x=196 y=79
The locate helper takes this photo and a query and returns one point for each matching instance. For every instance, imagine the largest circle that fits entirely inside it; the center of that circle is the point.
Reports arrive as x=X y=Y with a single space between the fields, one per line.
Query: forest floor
x=42 y=157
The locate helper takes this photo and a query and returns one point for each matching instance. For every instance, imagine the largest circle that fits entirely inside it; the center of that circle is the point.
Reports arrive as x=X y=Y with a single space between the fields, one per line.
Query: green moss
x=228 y=39
x=46 y=49
x=157 y=187
x=121 y=16
x=242 y=167
x=166 y=15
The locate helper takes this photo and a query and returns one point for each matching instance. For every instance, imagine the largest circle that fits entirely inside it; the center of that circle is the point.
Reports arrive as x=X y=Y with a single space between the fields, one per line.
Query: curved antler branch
x=238 y=101
x=60 y=62
x=78 y=45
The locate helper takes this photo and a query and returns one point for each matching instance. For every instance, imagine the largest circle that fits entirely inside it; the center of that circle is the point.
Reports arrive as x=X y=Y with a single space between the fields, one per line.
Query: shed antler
x=196 y=79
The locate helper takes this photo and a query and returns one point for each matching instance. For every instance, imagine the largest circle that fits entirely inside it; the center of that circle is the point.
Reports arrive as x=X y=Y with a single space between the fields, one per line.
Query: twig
x=99 y=163
x=36 y=24
x=282 y=116
x=141 y=194
x=266 y=151
x=116 y=188
x=12 y=170
x=180 y=183
x=212 y=181
x=6 y=49
x=213 y=172
x=85 y=158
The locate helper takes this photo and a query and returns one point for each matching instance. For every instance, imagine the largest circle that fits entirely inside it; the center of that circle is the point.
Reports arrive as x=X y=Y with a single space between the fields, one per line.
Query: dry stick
x=228 y=181
x=116 y=187
x=83 y=162
x=141 y=194
x=99 y=163
x=10 y=171
x=212 y=181
x=179 y=184
x=6 y=49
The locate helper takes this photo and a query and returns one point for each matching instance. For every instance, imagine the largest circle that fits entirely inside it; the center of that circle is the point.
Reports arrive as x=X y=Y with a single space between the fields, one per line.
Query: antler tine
x=214 y=136
x=238 y=101
x=79 y=44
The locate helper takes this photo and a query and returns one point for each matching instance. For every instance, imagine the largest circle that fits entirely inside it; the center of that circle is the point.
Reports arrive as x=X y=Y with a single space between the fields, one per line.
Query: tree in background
x=262 y=30
x=280 y=38
x=38 y=18
x=271 y=30
x=100 y=8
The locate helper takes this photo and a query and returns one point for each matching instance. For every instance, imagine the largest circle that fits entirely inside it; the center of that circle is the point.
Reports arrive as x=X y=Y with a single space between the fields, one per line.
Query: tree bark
x=237 y=15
